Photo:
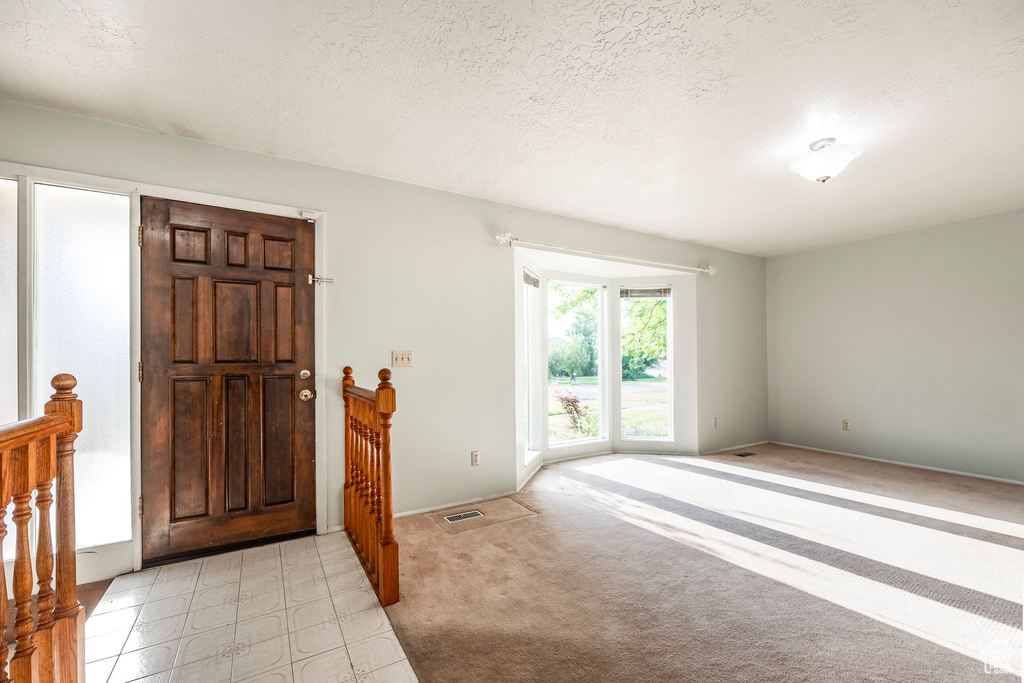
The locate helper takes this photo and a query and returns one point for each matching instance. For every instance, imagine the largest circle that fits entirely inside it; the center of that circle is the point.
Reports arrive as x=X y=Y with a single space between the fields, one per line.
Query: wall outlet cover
x=846 y=425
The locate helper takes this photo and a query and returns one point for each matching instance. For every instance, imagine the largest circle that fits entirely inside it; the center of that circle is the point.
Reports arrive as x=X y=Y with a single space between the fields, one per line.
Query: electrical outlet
x=474 y=458
x=714 y=423
x=846 y=425
x=401 y=359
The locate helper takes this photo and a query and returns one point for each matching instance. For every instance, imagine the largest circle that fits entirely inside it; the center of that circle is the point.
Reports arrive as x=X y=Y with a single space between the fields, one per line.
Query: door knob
x=305 y=394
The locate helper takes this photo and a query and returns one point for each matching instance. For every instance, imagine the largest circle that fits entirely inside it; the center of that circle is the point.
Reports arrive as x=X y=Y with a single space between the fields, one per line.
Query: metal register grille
x=462 y=516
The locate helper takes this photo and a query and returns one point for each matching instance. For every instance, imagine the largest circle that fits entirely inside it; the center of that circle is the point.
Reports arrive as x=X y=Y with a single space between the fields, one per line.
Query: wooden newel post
x=347 y=381
x=387 y=559
x=68 y=615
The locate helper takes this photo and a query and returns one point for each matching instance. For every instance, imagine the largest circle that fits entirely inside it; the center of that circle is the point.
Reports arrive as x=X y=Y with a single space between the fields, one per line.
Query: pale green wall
x=917 y=338
x=419 y=269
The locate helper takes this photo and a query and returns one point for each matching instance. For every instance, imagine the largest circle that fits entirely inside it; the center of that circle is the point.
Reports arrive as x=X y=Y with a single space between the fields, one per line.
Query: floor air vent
x=743 y=455
x=462 y=516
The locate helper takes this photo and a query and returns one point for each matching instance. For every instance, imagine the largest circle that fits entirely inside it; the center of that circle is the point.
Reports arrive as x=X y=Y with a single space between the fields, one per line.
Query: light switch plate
x=401 y=359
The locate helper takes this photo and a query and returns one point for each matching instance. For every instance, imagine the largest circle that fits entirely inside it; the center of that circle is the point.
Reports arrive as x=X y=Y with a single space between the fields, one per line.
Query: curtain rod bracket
x=506 y=238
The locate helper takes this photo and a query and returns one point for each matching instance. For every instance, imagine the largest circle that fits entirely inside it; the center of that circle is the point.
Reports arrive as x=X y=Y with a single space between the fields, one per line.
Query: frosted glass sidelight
x=82 y=326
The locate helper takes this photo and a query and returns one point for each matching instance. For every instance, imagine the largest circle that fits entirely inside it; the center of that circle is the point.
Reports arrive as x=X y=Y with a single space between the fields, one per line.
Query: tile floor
x=301 y=611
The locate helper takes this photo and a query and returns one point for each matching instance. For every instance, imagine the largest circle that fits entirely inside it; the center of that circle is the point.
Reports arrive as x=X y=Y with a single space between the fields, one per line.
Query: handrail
x=18 y=434
x=367 y=395
x=369 y=514
x=35 y=456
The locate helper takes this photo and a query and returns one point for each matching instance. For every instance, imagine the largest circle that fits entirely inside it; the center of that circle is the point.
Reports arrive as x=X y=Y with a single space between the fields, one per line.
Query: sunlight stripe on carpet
x=931 y=552
x=952 y=628
x=998 y=526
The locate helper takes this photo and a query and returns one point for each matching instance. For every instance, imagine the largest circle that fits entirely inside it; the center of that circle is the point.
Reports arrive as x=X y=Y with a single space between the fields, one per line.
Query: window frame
x=601 y=442
x=669 y=352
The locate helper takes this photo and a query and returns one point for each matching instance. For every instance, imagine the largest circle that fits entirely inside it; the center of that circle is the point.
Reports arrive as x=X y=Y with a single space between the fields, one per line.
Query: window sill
x=581 y=442
x=532 y=457
x=649 y=439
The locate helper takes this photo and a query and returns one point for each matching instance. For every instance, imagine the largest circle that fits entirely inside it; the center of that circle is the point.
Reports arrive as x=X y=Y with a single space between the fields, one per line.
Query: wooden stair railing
x=33 y=455
x=369 y=518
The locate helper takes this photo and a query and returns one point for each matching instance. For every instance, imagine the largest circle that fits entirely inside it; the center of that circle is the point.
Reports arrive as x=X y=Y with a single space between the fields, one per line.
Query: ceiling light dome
x=827 y=159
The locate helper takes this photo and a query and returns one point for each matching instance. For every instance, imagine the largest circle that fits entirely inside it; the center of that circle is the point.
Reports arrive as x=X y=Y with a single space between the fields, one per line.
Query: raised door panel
x=236 y=443
x=278 y=455
x=236 y=323
x=278 y=254
x=190 y=447
x=190 y=244
x=183 y=325
x=284 y=323
x=236 y=249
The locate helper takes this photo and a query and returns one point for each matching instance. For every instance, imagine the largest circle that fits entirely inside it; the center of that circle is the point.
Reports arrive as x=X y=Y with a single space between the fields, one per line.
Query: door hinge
x=140 y=507
x=317 y=280
x=140 y=370
x=140 y=235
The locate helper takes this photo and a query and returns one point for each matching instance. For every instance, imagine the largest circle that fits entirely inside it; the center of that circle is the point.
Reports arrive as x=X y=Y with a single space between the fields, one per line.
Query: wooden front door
x=227 y=328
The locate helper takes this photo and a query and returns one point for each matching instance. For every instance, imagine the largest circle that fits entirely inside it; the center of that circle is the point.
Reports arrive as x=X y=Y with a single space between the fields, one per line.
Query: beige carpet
x=494 y=511
x=789 y=565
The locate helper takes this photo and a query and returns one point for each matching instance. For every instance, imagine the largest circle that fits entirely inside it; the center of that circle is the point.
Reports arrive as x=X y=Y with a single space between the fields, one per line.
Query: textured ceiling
x=674 y=118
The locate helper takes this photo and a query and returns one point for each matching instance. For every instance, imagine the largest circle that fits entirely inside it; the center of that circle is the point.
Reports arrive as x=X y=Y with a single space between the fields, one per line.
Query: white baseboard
x=333 y=529
x=457 y=503
x=532 y=474
x=99 y=563
x=900 y=462
x=736 y=448
x=105 y=561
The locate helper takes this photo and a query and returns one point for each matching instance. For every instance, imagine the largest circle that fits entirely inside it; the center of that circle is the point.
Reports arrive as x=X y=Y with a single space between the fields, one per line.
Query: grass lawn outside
x=586 y=380
x=645 y=407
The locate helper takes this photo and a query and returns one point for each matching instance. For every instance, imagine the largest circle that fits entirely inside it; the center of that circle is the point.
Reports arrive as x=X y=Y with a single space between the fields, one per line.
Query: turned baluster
x=372 y=499
x=357 y=475
x=46 y=470
x=367 y=480
x=68 y=615
x=375 y=513
x=357 y=486
x=346 y=382
x=23 y=459
x=5 y=500
x=387 y=564
x=352 y=523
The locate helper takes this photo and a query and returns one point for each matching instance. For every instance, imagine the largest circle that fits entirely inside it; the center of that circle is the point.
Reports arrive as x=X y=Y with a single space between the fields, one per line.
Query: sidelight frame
x=106 y=561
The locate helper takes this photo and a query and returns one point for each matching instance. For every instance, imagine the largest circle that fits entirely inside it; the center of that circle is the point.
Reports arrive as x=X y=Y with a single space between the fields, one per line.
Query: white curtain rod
x=507 y=238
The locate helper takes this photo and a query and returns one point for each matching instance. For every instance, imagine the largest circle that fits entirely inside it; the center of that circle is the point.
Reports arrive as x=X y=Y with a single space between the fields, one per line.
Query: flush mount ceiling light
x=827 y=159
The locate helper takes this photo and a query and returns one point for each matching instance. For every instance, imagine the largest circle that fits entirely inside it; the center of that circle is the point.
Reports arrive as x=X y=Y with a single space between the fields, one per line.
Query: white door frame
x=107 y=561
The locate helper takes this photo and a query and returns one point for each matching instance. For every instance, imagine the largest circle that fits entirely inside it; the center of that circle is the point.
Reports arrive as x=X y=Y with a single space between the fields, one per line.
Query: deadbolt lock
x=304 y=374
